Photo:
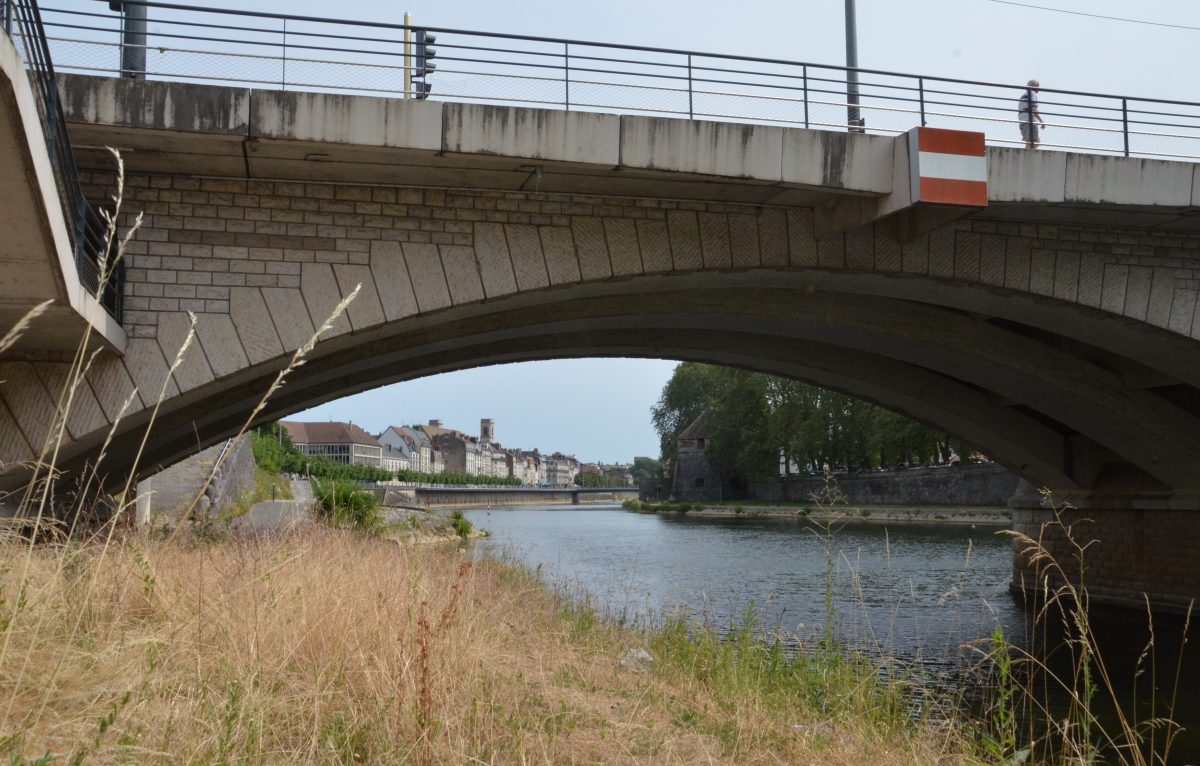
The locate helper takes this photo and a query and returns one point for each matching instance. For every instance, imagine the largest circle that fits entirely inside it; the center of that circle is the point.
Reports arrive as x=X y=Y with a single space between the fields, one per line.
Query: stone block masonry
x=262 y=263
x=948 y=486
x=249 y=249
x=1130 y=554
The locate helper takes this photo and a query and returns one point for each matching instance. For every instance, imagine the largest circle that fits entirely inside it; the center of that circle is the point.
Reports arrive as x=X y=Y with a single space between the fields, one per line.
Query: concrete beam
x=334 y=118
x=174 y=107
x=1095 y=179
x=753 y=152
x=854 y=162
x=1021 y=175
x=580 y=138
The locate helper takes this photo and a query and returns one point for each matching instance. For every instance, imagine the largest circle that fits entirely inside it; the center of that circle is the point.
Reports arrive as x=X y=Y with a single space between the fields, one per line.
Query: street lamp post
x=853 y=117
x=133 y=38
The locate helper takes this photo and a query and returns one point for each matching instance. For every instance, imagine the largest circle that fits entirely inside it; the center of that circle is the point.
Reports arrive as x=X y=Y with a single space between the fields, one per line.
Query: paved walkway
x=278 y=515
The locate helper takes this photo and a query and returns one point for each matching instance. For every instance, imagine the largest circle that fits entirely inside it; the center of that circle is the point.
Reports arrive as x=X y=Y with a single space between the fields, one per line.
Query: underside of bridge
x=1064 y=414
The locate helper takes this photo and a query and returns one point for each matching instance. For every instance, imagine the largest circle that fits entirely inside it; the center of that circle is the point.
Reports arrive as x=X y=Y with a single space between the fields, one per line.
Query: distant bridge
x=501 y=496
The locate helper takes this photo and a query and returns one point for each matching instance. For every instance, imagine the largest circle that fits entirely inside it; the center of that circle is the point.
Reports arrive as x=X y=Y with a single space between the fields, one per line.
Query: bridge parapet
x=298 y=53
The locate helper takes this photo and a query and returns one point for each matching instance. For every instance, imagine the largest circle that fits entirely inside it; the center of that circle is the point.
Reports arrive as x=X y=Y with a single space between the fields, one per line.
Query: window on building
x=699 y=481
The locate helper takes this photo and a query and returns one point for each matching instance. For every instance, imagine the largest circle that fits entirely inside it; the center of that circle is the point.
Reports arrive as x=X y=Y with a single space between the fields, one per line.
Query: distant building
x=695 y=478
x=559 y=470
x=615 y=474
x=533 y=467
x=500 y=466
x=620 y=473
x=414 y=442
x=339 y=442
x=460 y=453
x=394 y=459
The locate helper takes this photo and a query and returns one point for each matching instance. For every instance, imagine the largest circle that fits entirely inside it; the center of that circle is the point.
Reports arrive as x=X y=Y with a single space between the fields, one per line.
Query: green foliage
x=345 y=504
x=753 y=418
x=597 y=480
x=419 y=477
x=273 y=448
x=1000 y=743
x=274 y=451
x=663 y=507
x=746 y=662
x=646 y=468
x=460 y=524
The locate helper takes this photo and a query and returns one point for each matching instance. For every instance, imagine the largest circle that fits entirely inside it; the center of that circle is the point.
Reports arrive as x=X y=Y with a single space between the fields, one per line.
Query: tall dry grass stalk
x=332 y=647
x=68 y=513
x=1098 y=722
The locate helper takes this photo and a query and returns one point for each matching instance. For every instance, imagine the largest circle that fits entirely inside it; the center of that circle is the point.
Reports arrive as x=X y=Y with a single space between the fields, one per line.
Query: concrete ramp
x=36 y=258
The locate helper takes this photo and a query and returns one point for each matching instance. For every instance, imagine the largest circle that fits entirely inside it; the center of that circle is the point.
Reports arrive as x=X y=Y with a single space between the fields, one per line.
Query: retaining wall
x=170 y=493
x=961 y=486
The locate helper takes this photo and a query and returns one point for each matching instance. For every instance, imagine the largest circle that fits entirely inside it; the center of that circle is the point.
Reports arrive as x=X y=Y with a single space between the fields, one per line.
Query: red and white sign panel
x=948 y=167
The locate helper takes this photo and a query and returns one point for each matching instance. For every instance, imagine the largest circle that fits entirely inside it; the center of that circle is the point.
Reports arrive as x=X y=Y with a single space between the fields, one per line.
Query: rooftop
x=328 y=433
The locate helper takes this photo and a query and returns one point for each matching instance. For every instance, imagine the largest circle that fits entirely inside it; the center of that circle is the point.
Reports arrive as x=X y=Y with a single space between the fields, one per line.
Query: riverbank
x=417 y=526
x=835 y=514
x=333 y=647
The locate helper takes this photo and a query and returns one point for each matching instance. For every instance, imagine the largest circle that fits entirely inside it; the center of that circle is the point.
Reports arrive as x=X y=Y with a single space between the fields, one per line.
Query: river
x=922 y=593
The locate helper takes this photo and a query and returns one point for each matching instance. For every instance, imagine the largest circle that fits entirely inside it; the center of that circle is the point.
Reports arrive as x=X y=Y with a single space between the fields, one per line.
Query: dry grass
x=336 y=648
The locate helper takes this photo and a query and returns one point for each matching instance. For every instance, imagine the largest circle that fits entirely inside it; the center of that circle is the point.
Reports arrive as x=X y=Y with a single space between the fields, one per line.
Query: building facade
x=339 y=442
x=559 y=470
x=414 y=443
x=396 y=459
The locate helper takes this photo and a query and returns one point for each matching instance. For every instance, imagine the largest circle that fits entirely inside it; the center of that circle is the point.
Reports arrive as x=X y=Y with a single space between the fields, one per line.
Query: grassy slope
x=336 y=648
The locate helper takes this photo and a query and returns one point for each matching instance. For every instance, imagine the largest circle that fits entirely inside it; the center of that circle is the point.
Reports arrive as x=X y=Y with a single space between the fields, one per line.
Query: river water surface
x=922 y=593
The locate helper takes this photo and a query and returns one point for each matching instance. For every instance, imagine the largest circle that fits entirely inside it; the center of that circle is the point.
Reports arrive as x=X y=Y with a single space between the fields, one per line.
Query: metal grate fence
x=264 y=50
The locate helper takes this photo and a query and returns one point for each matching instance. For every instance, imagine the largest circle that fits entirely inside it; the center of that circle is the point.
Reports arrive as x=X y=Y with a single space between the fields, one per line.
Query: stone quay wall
x=971 y=485
x=1132 y=554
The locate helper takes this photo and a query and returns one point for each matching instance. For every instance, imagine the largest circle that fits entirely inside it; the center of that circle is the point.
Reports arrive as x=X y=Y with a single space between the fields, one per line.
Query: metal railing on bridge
x=87 y=229
x=289 y=52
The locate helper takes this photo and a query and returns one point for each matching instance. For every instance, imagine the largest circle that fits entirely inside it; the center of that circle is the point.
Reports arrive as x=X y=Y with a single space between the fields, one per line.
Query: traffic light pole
x=853 y=118
x=407 y=54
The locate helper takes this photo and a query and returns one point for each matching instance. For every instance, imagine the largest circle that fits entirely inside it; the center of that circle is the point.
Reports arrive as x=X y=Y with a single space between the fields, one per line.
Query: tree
x=754 y=418
x=739 y=430
x=593 y=479
x=646 y=468
x=689 y=393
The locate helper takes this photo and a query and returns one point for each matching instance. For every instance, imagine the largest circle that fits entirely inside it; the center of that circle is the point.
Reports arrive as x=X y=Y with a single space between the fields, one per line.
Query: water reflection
x=921 y=593
x=907 y=590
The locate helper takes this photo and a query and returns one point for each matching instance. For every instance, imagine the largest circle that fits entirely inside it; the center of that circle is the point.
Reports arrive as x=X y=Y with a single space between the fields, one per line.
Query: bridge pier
x=1125 y=547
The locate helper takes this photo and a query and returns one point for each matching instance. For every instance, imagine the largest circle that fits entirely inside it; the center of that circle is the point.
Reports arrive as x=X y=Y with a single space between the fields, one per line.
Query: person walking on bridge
x=1027 y=112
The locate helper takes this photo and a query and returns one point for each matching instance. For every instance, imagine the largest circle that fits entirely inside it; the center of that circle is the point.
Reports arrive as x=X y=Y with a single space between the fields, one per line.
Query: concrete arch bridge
x=1054 y=326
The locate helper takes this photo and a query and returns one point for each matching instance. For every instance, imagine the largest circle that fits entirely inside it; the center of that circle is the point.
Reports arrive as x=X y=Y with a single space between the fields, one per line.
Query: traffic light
x=423 y=65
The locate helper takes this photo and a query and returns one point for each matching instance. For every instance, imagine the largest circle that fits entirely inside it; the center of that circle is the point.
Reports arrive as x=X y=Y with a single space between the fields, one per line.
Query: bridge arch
x=1019 y=339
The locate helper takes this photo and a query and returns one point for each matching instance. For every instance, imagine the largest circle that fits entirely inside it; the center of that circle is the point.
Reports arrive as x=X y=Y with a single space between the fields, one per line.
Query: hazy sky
x=599 y=409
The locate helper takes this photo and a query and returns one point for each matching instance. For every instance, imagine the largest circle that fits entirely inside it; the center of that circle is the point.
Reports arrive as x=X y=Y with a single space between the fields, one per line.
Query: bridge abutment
x=1124 y=548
